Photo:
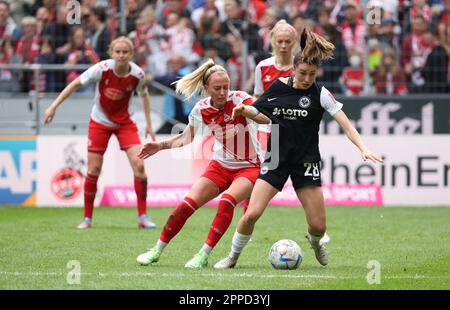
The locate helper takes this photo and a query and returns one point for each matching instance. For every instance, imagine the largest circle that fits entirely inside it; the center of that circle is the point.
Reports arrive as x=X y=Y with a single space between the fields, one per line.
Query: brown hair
x=315 y=48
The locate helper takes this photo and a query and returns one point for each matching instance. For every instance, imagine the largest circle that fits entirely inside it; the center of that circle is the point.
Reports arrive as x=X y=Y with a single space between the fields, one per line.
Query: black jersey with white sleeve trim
x=298 y=113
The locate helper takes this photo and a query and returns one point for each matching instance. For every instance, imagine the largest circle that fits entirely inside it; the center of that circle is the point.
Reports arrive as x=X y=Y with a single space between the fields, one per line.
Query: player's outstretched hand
x=238 y=111
x=48 y=115
x=368 y=155
x=149 y=149
x=149 y=131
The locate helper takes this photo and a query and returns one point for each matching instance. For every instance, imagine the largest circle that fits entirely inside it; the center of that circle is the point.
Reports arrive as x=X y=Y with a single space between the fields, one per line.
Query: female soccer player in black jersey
x=296 y=105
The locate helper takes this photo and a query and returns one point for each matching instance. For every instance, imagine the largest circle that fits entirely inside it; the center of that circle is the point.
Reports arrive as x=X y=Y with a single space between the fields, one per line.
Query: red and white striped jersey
x=233 y=151
x=266 y=72
x=113 y=92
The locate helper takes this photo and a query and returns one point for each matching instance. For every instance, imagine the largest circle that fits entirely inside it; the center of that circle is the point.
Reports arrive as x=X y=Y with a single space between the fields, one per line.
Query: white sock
x=206 y=248
x=314 y=238
x=160 y=245
x=238 y=244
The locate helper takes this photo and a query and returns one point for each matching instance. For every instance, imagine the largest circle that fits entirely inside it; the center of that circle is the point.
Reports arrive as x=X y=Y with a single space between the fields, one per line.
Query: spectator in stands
x=211 y=50
x=117 y=79
x=442 y=18
x=134 y=8
x=7 y=24
x=28 y=48
x=389 y=36
x=209 y=33
x=265 y=26
x=280 y=8
x=47 y=56
x=59 y=31
x=79 y=52
x=304 y=7
x=235 y=65
x=336 y=11
x=181 y=40
x=9 y=79
x=353 y=29
x=173 y=6
x=209 y=9
x=323 y=19
x=330 y=70
x=436 y=69
x=389 y=77
x=98 y=35
x=412 y=54
x=50 y=5
x=234 y=25
x=300 y=22
x=42 y=15
x=352 y=78
x=174 y=108
x=152 y=43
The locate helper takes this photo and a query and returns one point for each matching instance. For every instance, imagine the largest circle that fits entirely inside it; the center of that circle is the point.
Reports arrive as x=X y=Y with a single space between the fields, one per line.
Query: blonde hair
x=120 y=39
x=315 y=48
x=283 y=25
x=196 y=81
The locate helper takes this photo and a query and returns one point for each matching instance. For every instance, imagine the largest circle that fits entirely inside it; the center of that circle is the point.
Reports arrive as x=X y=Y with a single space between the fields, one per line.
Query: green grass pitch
x=412 y=246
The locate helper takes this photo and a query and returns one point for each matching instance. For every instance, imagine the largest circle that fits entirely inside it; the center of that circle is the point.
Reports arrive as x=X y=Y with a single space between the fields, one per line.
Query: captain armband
x=252 y=111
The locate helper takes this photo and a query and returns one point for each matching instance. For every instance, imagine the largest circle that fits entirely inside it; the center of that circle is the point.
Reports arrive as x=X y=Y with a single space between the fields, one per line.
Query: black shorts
x=304 y=174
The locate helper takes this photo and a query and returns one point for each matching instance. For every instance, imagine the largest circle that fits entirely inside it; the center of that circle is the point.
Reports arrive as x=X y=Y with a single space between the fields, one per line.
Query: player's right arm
x=68 y=90
x=179 y=140
x=91 y=75
x=250 y=112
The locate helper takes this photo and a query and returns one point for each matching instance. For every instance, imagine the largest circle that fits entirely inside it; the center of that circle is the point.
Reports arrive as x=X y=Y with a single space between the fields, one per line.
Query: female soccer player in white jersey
x=116 y=79
x=296 y=104
x=233 y=169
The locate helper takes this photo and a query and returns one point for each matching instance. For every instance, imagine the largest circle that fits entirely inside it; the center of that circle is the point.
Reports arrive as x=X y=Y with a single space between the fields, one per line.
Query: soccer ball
x=285 y=254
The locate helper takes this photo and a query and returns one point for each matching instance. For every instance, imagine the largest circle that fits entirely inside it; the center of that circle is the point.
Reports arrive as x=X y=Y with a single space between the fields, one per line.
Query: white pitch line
x=224 y=275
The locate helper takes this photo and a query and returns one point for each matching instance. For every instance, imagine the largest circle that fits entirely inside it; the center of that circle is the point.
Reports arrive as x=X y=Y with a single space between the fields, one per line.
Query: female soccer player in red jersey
x=233 y=169
x=116 y=79
x=284 y=42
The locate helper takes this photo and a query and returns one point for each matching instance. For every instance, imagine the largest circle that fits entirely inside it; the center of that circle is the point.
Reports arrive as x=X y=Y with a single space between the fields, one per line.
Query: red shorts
x=223 y=177
x=99 y=134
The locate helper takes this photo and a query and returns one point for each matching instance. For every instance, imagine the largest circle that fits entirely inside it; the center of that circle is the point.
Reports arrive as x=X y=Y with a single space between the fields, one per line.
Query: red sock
x=90 y=189
x=140 y=187
x=177 y=219
x=222 y=220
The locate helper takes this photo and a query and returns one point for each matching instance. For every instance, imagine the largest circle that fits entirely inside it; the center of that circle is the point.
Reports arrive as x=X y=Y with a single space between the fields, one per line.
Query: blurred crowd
x=404 y=46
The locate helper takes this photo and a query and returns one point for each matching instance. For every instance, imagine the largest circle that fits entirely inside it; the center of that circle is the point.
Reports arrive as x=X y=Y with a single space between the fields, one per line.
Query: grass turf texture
x=412 y=246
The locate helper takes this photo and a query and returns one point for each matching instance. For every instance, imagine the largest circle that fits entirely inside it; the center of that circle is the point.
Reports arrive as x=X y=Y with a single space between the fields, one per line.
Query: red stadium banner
x=168 y=195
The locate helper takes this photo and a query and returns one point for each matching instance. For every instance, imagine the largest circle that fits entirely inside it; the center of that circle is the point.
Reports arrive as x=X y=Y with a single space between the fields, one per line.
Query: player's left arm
x=355 y=137
x=144 y=97
x=145 y=101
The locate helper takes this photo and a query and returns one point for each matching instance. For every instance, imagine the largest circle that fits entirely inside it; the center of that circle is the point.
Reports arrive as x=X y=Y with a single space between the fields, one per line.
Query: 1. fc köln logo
x=67 y=182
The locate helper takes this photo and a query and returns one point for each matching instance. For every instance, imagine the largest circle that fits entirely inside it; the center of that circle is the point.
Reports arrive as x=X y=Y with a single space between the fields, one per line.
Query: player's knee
x=139 y=170
x=251 y=217
x=94 y=170
x=318 y=227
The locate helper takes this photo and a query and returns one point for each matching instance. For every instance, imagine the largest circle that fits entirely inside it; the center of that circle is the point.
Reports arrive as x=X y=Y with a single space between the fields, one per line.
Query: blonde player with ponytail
x=233 y=169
